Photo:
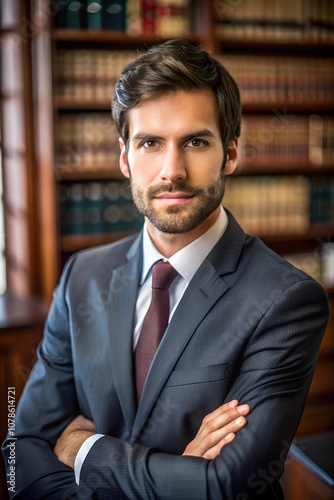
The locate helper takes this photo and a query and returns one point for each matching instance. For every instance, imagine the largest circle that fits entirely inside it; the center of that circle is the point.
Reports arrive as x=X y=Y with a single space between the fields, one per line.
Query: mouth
x=175 y=198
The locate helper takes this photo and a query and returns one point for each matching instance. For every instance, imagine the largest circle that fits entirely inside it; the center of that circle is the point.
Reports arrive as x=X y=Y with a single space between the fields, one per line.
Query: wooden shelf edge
x=251 y=44
x=301 y=107
x=277 y=168
x=309 y=107
x=83 y=174
x=106 y=36
x=75 y=242
x=60 y=103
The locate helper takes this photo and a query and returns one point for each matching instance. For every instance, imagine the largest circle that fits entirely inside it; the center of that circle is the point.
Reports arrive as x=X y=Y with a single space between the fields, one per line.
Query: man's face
x=174 y=160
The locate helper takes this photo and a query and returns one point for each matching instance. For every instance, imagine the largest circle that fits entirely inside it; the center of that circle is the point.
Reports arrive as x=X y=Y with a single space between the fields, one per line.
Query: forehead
x=177 y=112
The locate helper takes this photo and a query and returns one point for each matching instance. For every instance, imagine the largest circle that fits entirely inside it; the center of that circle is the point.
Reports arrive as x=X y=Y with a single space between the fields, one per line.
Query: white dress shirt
x=186 y=262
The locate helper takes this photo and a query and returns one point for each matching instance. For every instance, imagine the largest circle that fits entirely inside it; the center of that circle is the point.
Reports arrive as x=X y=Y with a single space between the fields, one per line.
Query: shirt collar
x=187 y=260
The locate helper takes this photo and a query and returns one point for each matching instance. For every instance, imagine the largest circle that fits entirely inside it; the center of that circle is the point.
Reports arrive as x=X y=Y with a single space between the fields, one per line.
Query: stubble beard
x=176 y=219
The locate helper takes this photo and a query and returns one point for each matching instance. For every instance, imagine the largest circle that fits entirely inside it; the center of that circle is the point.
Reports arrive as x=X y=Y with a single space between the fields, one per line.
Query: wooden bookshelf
x=46 y=249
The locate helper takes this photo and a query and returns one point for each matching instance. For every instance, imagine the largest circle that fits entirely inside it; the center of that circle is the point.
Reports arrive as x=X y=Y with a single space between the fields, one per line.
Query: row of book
x=88 y=142
x=280 y=20
x=168 y=18
x=263 y=205
x=266 y=79
x=89 y=75
x=97 y=207
x=280 y=205
x=286 y=139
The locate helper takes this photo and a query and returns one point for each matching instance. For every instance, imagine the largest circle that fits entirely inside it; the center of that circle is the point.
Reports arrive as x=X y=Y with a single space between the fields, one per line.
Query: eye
x=150 y=144
x=197 y=143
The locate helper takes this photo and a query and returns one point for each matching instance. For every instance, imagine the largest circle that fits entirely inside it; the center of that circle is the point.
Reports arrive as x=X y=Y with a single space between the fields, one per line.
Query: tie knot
x=163 y=275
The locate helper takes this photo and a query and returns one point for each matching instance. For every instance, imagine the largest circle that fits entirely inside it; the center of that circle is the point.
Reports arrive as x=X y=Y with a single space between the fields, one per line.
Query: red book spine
x=148 y=8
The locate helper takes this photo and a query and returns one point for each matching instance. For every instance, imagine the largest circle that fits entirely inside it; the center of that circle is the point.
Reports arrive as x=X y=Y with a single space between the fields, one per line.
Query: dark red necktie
x=155 y=321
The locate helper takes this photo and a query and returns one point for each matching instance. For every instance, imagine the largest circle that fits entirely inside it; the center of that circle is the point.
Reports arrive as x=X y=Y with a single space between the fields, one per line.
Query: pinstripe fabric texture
x=249 y=326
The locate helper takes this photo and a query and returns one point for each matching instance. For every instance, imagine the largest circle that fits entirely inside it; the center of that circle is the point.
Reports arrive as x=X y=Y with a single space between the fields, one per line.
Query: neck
x=169 y=244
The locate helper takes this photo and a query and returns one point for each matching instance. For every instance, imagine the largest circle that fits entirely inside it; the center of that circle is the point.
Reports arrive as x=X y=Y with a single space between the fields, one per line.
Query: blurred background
x=60 y=186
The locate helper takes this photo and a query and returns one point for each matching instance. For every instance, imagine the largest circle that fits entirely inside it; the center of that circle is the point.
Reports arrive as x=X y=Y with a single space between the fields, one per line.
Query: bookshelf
x=282 y=61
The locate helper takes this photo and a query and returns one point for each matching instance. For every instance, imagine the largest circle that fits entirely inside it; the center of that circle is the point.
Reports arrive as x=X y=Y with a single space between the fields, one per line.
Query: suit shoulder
x=273 y=268
x=115 y=251
x=96 y=264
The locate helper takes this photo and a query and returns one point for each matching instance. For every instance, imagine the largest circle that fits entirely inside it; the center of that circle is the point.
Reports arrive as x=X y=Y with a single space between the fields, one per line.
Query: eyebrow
x=141 y=136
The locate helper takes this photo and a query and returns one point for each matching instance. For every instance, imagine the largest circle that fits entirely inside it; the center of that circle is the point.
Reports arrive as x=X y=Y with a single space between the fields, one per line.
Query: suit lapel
x=205 y=289
x=124 y=286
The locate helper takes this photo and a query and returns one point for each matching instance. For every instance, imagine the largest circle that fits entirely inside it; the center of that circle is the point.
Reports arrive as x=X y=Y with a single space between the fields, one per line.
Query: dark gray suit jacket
x=249 y=326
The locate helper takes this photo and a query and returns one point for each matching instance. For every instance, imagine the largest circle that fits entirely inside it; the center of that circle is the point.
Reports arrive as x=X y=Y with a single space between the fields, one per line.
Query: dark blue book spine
x=61 y=15
x=114 y=15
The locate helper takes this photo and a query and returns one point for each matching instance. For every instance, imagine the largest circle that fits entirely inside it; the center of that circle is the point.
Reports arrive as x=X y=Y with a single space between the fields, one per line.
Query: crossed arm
x=218 y=429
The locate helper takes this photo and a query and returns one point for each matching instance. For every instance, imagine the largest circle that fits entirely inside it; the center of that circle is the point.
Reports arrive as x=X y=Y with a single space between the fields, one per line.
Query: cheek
x=205 y=174
x=143 y=170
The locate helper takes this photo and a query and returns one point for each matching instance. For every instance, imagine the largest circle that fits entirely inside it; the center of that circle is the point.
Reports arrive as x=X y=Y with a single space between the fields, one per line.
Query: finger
x=214 y=452
x=221 y=417
x=217 y=412
x=202 y=444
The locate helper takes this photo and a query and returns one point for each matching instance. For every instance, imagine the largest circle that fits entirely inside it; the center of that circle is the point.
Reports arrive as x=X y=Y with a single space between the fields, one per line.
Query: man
x=244 y=326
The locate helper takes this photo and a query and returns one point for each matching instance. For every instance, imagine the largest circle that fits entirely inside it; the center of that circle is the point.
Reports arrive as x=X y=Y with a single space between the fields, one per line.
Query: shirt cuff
x=82 y=454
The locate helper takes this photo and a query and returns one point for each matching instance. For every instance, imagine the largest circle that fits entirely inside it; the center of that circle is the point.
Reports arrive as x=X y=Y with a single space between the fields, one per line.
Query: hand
x=72 y=437
x=218 y=428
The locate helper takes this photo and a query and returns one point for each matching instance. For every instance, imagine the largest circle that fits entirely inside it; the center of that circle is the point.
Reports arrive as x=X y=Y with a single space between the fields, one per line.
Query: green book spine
x=94 y=14
x=75 y=15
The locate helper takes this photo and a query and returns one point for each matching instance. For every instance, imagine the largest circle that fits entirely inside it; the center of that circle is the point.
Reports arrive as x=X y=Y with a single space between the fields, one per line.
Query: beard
x=177 y=219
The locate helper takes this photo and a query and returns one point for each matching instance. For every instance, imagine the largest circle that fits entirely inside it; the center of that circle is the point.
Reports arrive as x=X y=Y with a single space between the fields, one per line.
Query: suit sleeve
x=47 y=405
x=274 y=379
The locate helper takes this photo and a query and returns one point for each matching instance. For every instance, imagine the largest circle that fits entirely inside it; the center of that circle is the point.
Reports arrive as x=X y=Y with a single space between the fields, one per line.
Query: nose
x=174 y=166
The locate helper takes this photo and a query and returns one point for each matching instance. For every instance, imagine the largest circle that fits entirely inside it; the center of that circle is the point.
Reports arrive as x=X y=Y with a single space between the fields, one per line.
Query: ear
x=123 y=162
x=232 y=157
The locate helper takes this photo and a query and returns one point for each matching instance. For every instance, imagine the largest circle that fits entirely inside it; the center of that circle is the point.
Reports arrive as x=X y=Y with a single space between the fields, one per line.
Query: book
x=281 y=21
x=280 y=204
x=114 y=15
x=97 y=207
x=76 y=15
x=94 y=14
x=282 y=79
x=89 y=75
x=61 y=13
x=165 y=18
x=86 y=142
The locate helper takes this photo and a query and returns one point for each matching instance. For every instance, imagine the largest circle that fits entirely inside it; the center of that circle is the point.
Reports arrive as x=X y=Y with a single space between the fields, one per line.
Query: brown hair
x=172 y=66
